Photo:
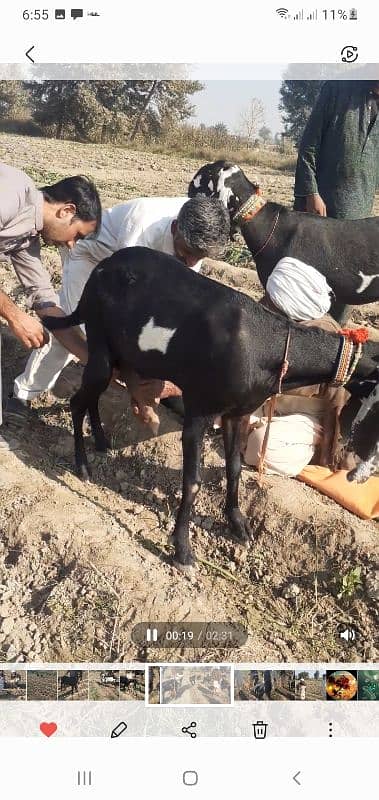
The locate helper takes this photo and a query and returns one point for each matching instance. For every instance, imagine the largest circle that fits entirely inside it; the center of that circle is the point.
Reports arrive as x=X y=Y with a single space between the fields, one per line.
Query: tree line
x=123 y=111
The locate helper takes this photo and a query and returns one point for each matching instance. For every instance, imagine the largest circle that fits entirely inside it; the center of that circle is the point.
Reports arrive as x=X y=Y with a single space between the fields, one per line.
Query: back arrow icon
x=29 y=51
x=295 y=777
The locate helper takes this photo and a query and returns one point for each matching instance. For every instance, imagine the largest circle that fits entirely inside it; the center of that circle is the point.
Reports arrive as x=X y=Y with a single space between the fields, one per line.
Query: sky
x=224 y=101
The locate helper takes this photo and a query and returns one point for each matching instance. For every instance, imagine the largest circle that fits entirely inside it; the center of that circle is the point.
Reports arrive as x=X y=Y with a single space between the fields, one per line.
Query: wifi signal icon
x=282 y=12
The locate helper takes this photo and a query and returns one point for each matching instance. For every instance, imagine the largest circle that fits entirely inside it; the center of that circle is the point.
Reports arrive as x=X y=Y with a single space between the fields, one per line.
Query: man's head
x=201 y=229
x=71 y=210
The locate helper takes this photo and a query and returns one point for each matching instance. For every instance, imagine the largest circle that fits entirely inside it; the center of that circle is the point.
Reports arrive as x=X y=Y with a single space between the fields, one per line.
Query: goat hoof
x=186 y=569
x=239 y=527
x=184 y=559
x=102 y=445
x=84 y=472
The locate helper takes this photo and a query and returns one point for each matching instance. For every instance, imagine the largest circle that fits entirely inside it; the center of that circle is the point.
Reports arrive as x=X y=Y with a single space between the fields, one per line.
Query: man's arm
x=34 y=278
x=309 y=150
x=27 y=329
x=72 y=339
x=43 y=299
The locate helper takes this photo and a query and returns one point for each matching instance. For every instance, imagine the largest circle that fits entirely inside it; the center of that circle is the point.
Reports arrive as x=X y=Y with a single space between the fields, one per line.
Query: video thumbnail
x=12 y=685
x=266 y=685
x=368 y=685
x=73 y=685
x=195 y=685
x=341 y=685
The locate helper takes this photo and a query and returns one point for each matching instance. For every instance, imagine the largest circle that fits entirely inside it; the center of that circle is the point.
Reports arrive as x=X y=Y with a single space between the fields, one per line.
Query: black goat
x=344 y=251
x=147 y=311
x=71 y=681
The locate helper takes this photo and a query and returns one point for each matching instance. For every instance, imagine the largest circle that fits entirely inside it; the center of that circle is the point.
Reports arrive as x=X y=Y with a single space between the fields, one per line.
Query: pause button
x=84 y=778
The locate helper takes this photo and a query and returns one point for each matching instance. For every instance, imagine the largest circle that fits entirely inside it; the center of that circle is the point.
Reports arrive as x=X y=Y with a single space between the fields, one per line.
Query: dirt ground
x=42 y=685
x=82 y=563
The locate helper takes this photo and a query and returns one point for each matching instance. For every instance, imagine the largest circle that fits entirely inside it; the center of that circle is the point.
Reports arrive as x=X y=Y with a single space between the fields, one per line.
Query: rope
x=271 y=409
x=268 y=238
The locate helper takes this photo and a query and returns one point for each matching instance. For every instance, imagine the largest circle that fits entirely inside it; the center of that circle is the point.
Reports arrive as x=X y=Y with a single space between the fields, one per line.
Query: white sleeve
x=132 y=230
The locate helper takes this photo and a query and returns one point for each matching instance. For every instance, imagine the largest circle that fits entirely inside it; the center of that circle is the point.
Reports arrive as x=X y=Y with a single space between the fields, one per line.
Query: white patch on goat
x=197 y=181
x=154 y=337
x=225 y=192
x=366 y=281
x=211 y=186
x=366 y=406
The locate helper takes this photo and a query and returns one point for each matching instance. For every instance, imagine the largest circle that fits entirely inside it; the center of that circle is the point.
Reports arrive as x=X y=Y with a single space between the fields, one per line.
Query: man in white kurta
x=188 y=229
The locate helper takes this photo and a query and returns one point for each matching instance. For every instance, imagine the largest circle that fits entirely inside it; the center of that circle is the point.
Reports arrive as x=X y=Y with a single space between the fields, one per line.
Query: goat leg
x=102 y=444
x=231 y=431
x=78 y=405
x=192 y=441
x=96 y=376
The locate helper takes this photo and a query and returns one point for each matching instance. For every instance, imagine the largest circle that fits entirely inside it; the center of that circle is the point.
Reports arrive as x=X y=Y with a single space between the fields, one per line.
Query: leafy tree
x=297 y=101
x=109 y=110
x=13 y=99
x=159 y=104
x=67 y=109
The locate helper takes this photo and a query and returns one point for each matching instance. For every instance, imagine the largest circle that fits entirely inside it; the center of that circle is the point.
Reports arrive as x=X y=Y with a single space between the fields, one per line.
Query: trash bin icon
x=260 y=729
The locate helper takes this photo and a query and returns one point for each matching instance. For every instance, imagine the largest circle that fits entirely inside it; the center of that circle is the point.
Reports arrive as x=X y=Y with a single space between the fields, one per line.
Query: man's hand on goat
x=315 y=205
x=28 y=329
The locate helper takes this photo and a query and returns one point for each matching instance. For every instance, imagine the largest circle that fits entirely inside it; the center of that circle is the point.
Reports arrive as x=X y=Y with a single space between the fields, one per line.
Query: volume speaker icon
x=348 y=634
x=282 y=12
x=151 y=634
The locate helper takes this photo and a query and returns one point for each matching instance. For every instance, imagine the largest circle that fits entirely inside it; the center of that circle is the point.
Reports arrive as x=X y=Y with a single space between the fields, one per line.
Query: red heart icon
x=48 y=728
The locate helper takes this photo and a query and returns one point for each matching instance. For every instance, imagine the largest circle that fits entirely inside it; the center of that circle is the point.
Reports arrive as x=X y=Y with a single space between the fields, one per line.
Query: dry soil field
x=42 y=685
x=82 y=563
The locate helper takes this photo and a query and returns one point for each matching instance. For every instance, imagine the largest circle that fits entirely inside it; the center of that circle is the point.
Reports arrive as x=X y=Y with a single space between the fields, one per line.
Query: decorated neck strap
x=350 y=354
x=249 y=209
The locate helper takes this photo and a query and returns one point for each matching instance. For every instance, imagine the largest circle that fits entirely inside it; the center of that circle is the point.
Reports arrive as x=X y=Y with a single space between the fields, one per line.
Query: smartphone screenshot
x=189 y=400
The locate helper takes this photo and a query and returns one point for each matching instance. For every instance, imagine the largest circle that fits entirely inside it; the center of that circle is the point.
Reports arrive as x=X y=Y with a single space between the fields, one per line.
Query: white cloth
x=144 y=222
x=291 y=443
x=299 y=290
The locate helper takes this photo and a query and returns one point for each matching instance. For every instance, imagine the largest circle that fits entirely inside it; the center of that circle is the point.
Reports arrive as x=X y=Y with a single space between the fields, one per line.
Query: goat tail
x=59 y=323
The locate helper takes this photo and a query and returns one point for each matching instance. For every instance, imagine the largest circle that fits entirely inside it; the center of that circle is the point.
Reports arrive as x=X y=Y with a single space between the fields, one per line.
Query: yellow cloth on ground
x=361 y=499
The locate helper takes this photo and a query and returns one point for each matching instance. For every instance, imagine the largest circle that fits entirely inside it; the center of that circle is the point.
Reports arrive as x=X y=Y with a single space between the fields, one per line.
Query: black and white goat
x=147 y=311
x=360 y=427
x=344 y=251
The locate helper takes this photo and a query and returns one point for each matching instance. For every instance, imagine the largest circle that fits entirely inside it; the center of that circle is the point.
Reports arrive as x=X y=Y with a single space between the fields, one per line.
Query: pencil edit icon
x=119 y=730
